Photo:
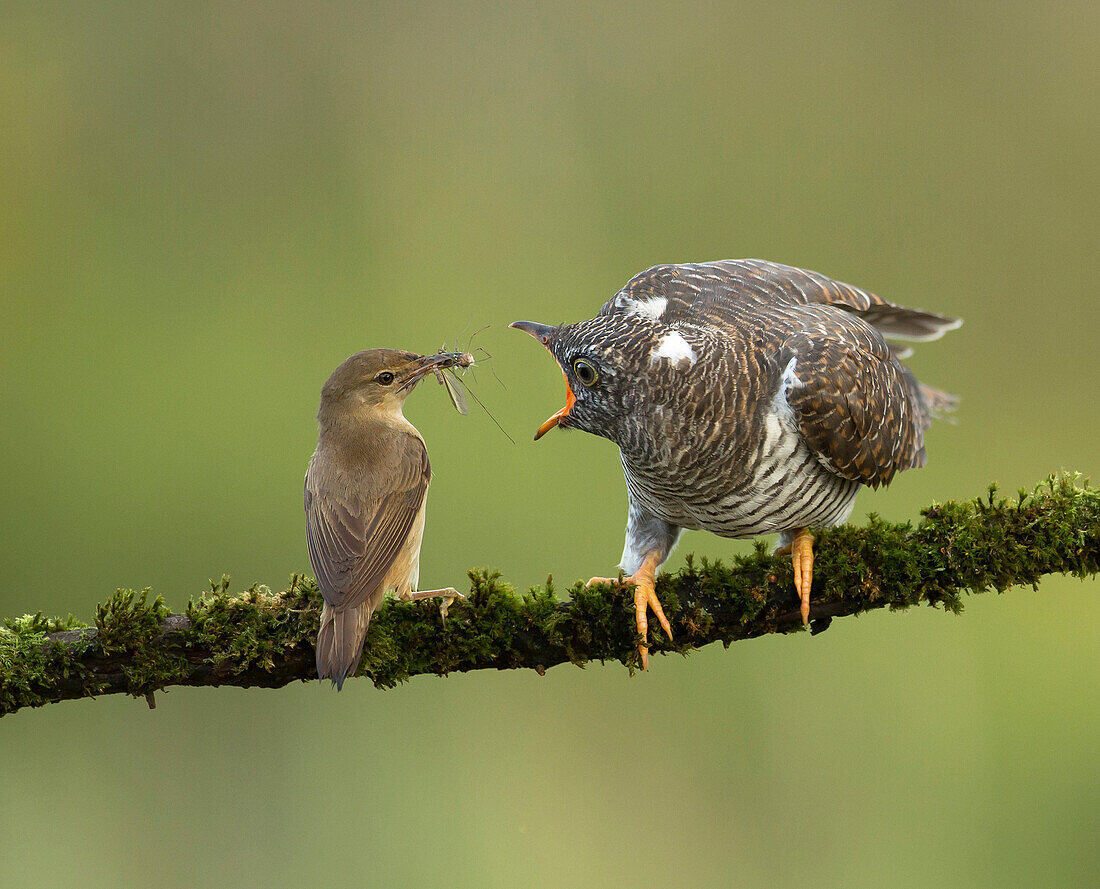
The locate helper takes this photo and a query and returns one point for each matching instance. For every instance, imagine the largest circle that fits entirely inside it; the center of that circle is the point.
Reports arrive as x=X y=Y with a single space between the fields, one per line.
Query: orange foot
x=645 y=597
x=801 y=549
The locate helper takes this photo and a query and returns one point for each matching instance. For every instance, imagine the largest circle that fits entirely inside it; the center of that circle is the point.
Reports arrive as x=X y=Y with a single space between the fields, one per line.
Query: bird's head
x=376 y=381
x=601 y=376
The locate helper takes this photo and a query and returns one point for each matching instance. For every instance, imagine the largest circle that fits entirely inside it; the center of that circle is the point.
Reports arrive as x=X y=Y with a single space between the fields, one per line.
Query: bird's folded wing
x=354 y=539
x=857 y=409
x=724 y=291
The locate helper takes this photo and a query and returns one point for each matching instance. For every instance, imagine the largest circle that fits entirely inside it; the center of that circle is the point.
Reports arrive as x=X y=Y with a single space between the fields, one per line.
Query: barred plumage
x=746 y=398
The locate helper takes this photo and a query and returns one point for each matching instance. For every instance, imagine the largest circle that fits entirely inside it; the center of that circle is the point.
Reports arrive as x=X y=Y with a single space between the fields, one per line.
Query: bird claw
x=448 y=595
x=610 y=581
x=802 y=561
x=445 y=605
x=645 y=598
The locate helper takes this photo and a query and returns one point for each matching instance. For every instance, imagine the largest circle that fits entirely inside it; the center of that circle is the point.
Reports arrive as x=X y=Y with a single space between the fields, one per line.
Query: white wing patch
x=790 y=377
x=780 y=418
x=675 y=348
x=652 y=308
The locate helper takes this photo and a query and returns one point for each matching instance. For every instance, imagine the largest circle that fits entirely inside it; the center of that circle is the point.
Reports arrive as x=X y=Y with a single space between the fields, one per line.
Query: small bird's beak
x=542 y=332
x=424 y=365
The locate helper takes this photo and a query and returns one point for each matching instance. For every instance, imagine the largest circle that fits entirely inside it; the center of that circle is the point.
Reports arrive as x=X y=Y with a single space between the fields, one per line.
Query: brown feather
x=859 y=408
x=355 y=534
x=722 y=291
x=362 y=521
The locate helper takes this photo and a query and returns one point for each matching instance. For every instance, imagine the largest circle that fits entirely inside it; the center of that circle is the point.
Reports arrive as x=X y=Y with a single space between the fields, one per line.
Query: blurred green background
x=204 y=208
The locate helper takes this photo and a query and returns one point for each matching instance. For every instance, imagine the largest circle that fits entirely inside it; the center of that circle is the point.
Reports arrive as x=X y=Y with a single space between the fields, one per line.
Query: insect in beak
x=444 y=361
x=429 y=364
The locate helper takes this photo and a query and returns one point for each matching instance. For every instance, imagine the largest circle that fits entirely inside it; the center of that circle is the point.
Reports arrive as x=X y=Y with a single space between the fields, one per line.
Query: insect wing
x=458 y=399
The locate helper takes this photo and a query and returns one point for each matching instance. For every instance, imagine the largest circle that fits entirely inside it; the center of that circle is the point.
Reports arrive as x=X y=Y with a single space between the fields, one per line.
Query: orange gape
x=553 y=421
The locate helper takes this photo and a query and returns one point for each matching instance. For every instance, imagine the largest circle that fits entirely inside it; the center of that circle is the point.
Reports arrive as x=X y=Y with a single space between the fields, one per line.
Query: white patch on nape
x=675 y=348
x=654 y=307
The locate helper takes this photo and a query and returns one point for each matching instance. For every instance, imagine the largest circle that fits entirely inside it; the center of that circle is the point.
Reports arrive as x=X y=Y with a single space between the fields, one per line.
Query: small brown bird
x=365 y=494
x=746 y=397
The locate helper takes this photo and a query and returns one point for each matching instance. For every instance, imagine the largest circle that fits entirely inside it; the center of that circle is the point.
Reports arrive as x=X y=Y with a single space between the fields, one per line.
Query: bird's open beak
x=542 y=332
x=553 y=421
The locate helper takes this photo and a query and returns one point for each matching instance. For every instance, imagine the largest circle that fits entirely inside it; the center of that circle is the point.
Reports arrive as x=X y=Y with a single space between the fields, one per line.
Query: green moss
x=991 y=542
x=128 y=626
x=31 y=665
x=253 y=628
x=30 y=625
x=127 y=621
x=408 y=638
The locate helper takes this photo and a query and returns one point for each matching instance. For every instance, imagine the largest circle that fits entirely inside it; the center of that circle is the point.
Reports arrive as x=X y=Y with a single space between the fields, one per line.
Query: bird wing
x=723 y=291
x=355 y=536
x=858 y=408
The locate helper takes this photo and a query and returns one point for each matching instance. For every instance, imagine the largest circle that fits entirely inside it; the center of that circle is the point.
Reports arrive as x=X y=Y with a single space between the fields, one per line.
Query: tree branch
x=265 y=639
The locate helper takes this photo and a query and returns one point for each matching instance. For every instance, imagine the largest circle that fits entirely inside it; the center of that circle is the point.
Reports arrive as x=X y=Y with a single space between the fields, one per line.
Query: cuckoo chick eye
x=585 y=371
x=384 y=378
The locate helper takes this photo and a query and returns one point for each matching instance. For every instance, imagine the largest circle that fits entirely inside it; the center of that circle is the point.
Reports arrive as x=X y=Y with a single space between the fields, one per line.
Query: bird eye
x=384 y=378
x=585 y=371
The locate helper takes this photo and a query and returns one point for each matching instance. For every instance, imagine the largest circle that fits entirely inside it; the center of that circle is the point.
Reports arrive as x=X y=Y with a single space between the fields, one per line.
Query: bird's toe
x=645 y=598
x=802 y=560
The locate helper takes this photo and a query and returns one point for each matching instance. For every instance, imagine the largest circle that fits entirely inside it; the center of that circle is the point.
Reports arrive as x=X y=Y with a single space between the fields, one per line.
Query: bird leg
x=448 y=595
x=645 y=597
x=801 y=549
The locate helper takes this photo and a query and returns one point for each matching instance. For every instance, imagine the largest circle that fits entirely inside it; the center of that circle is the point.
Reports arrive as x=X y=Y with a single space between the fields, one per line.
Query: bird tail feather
x=908 y=324
x=937 y=403
x=340 y=641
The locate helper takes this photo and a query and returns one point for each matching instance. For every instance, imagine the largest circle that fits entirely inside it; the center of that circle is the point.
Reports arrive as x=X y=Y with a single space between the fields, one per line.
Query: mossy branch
x=261 y=638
